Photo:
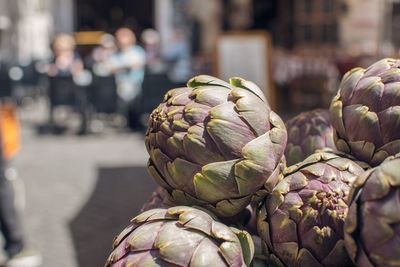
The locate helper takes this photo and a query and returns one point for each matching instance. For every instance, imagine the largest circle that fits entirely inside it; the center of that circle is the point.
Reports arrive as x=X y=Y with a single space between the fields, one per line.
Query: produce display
x=228 y=196
x=308 y=132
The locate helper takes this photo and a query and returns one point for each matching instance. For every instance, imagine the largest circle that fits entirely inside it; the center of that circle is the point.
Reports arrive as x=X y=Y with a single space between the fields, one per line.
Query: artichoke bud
x=313 y=210
x=216 y=145
x=361 y=113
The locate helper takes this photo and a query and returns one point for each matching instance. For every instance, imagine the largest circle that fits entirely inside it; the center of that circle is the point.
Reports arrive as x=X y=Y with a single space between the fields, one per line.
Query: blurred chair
x=31 y=75
x=61 y=91
x=154 y=88
x=102 y=94
x=64 y=91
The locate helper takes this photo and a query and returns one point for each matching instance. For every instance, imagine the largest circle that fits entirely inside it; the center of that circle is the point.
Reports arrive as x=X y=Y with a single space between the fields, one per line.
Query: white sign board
x=247 y=55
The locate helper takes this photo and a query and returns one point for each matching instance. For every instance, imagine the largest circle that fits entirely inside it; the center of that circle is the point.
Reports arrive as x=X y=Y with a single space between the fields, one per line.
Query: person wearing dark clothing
x=66 y=67
x=10 y=222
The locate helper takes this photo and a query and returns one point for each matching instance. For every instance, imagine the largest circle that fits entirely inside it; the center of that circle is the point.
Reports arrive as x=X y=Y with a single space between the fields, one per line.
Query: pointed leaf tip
x=248 y=85
x=204 y=80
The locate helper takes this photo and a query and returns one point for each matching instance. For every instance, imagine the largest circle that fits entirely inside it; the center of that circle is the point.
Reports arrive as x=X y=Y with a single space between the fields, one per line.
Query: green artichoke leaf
x=362 y=124
x=204 y=80
x=390 y=172
x=254 y=113
x=179 y=170
x=196 y=219
x=250 y=177
x=295 y=153
x=371 y=94
x=249 y=86
x=195 y=113
x=377 y=187
x=179 y=97
x=229 y=245
x=247 y=244
x=349 y=82
x=175 y=144
x=391 y=95
x=263 y=227
x=389 y=148
x=199 y=146
x=341 y=144
x=145 y=236
x=231 y=207
x=222 y=232
x=230 y=252
x=263 y=152
x=153 y=172
x=210 y=96
x=229 y=132
x=216 y=181
x=180 y=197
x=154 y=214
x=336 y=110
x=260 y=160
x=362 y=149
x=176 y=246
x=380 y=155
x=124 y=234
x=390 y=120
x=206 y=254
x=379 y=67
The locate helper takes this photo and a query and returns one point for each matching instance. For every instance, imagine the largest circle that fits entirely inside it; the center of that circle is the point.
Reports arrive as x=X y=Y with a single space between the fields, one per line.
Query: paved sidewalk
x=80 y=192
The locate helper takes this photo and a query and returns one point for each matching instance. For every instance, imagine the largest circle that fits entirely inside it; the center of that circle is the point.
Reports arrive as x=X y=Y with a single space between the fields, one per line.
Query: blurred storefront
x=293 y=24
x=311 y=38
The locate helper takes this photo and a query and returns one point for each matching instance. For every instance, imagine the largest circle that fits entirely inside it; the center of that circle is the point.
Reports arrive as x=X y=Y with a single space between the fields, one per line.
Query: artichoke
x=372 y=224
x=215 y=144
x=156 y=200
x=246 y=219
x=366 y=112
x=308 y=132
x=180 y=236
x=301 y=221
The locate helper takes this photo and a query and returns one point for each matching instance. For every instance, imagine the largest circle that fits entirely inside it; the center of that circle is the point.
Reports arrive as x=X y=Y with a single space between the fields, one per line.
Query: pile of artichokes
x=239 y=188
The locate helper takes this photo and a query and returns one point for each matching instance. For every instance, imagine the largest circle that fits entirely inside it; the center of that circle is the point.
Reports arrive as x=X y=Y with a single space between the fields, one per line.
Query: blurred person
x=178 y=57
x=128 y=66
x=151 y=42
x=65 y=62
x=10 y=223
x=100 y=57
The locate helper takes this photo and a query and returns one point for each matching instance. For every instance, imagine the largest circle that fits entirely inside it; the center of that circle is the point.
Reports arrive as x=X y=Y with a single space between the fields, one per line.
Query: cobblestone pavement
x=80 y=192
